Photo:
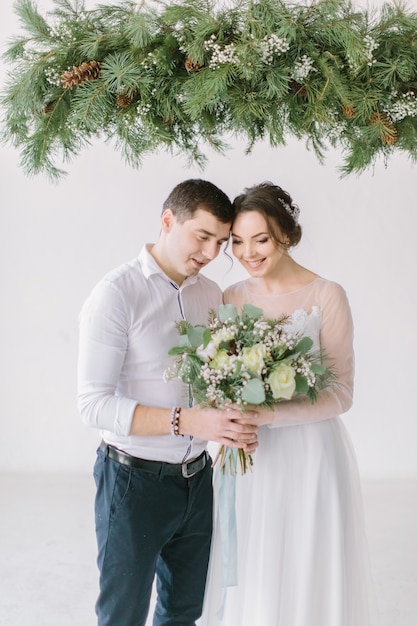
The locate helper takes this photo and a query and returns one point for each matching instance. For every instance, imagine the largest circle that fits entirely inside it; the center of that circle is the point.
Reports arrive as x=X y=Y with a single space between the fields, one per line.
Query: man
x=153 y=474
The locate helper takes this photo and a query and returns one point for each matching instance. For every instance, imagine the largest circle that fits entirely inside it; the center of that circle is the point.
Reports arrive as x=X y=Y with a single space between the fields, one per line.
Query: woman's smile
x=254 y=264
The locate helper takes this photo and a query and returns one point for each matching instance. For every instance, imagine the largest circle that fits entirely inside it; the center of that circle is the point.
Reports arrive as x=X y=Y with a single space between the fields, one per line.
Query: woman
x=302 y=547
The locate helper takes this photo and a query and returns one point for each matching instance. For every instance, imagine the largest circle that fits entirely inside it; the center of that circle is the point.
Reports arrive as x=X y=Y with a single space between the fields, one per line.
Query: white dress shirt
x=127 y=326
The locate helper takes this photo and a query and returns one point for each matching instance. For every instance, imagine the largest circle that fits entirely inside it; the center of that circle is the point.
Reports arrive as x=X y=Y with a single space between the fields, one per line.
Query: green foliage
x=304 y=345
x=197 y=336
x=254 y=392
x=190 y=73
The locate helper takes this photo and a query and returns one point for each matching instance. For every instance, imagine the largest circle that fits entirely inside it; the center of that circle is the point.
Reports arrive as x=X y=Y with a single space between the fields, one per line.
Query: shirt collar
x=150 y=266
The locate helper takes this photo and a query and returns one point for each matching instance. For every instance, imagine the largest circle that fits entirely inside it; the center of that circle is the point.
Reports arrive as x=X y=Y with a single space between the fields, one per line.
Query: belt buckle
x=199 y=465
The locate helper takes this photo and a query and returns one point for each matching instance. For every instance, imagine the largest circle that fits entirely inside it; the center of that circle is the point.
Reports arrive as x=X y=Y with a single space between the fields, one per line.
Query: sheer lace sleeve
x=336 y=340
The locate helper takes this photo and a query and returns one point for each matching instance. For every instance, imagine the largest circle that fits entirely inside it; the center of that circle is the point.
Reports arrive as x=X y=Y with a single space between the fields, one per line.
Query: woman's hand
x=256 y=416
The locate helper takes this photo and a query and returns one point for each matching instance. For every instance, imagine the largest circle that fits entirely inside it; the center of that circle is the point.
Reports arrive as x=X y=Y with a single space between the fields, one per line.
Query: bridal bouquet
x=243 y=360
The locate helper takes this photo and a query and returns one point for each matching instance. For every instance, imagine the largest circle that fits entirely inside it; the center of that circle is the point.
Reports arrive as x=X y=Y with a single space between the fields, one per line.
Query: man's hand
x=226 y=426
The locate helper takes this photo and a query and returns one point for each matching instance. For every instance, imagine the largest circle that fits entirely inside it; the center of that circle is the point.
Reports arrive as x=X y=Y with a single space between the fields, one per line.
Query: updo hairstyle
x=277 y=207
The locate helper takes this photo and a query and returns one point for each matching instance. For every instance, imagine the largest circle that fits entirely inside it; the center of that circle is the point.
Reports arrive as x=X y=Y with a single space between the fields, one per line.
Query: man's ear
x=167 y=220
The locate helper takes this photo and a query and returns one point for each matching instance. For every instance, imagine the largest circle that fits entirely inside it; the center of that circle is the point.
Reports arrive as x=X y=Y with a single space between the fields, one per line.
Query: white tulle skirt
x=302 y=550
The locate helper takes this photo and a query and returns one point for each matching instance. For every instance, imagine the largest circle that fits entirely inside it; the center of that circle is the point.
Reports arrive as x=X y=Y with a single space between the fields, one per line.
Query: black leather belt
x=156 y=467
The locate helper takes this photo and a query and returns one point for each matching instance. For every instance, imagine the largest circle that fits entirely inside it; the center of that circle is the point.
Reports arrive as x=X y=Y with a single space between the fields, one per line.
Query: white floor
x=48 y=574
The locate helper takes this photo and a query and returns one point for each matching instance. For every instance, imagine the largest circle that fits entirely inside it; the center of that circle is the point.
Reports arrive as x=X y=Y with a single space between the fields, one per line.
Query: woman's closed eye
x=238 y=242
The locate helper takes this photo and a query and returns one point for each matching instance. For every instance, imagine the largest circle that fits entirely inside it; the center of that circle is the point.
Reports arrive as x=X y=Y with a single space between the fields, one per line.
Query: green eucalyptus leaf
x=195 y=335
x=238 y=367
x=226 y=312
x=184 y=341
x=304 y=345
x=206 y=336
x=253 y=392
x=249 y=310
x=177 y=350
x=301 y=385
x=318 y=368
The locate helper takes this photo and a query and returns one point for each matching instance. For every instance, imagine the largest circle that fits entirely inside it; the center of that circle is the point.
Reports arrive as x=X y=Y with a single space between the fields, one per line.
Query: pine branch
x=65 y=8
x=32 y=21
x=177 y=76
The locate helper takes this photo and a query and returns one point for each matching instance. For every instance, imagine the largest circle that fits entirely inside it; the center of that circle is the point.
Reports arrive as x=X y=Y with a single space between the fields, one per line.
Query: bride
x=300 y=530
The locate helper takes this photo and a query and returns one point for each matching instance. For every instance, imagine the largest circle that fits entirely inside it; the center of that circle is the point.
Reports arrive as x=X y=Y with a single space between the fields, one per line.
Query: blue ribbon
x=227 y=521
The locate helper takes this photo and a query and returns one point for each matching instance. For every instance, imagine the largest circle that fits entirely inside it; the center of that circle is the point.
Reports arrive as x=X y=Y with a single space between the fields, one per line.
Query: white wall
x=56 y=241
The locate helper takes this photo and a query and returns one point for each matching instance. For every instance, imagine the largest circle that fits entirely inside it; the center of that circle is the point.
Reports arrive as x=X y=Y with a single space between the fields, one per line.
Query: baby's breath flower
x=221 y=54
x=149 y=61
x=272 y=45
x=53 y=76
x=303 y=367
x=143 y=108
x=405 y=106
x=302 y=68
x=370 y=46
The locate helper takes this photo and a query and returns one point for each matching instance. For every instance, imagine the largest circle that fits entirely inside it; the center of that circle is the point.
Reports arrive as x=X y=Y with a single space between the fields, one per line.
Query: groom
x=153 y=473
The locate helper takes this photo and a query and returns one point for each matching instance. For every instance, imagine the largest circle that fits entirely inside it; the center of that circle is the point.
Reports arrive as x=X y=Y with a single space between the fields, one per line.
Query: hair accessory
x=175 y=421
x=292 y=210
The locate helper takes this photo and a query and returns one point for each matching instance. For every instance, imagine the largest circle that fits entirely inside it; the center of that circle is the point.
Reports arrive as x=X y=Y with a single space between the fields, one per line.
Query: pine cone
x=378 y=118
x=191 y=66
x=390 y=138
x=348 y=111
x=48 y=108
x=125 y=99
x=298 y=88
x=80 y=74
x=389 y=133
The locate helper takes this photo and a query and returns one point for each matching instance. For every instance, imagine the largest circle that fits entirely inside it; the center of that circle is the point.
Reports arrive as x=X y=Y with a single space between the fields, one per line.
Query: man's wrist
x=175 y=421
x=185 y=427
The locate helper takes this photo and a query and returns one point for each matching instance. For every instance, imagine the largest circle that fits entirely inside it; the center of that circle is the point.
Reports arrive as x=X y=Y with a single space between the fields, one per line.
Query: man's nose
x=210 y=250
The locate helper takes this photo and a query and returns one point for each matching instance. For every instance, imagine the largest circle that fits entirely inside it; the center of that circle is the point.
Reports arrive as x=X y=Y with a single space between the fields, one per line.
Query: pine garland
x=181 y=75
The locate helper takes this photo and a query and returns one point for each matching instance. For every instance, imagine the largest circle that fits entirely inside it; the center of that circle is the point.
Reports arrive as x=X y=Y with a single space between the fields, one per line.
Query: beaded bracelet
x=175 y=420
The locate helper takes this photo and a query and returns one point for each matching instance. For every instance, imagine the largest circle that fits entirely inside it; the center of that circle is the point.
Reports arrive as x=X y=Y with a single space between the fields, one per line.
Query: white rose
x=220 y=361
x=282 y=381
x=253 y=358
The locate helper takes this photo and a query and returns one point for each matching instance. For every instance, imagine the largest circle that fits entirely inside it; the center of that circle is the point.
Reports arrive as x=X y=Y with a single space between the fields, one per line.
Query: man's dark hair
x=193 y=194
